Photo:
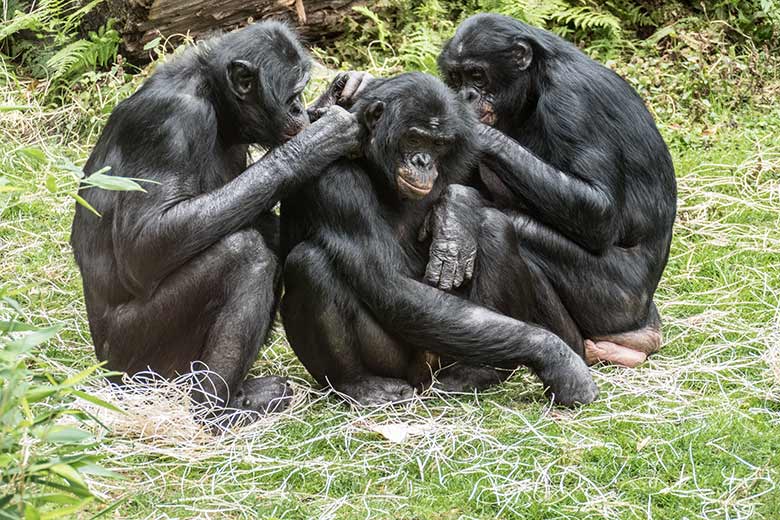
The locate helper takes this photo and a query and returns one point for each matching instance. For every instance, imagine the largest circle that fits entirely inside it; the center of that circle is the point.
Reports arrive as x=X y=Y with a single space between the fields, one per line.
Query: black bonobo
x=355 y=309
x=190 y=270
x=581 y=182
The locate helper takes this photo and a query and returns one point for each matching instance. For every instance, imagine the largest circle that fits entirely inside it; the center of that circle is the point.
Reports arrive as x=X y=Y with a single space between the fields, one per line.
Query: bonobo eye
x=478 y=77
x=292 y=99
x=453 y=79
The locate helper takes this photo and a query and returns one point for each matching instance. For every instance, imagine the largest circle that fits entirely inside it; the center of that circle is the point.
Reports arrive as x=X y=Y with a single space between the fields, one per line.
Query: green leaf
x=86 y=204
x=66 y=511
x=15 y=326
x=81 y=376
x=11 y=108
x=31 y=513
x=8 y=189
x=152 y=44
x=112 y=182
x=89 y=468
x=95 y=400
x=33 y=153
x=33 y=339
x=51 y=183
x=67 y=472
x=39 y=393
x=110 y=508
x=65 y=434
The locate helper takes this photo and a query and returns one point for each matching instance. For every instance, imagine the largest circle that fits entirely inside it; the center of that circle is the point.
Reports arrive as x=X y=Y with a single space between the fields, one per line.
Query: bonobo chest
x=228 y=164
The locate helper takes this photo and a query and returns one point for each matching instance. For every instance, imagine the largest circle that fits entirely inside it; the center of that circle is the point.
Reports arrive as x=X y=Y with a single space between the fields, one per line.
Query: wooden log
x=141 y=21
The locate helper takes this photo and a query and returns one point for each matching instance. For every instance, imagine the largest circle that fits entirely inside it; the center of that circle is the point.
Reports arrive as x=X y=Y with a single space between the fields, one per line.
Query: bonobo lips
x=414 y=189
x=487 y=116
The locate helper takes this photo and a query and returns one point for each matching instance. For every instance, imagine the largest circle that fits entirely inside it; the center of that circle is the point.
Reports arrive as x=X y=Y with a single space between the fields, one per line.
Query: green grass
x=694 y=433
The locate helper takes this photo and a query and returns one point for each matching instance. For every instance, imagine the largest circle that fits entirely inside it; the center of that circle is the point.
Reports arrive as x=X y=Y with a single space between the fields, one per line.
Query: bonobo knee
x=303 y=261
x=246 y=244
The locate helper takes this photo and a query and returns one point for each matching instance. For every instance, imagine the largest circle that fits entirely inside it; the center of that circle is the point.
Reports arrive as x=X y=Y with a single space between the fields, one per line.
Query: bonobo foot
x=375 y=391
x=466 y=378
x=628 y=349
x=263 y=395
x=568 y=381
x=255 y=398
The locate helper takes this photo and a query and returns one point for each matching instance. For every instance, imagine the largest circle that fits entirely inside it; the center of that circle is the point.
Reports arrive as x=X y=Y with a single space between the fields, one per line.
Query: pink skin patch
x=606 y=351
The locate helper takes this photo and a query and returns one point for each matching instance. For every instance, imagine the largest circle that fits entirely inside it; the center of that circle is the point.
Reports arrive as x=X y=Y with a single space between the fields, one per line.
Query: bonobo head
x=413 y=125
x=494 y=63
x=257 y=77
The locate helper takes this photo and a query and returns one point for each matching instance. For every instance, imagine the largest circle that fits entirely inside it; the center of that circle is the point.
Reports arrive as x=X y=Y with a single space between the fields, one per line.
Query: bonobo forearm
x=165 y=242
x=580 y=208
x=264 y=183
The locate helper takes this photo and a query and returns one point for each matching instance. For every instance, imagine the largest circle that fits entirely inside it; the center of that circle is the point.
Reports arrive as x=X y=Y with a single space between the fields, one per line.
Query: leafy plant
x=43 y=461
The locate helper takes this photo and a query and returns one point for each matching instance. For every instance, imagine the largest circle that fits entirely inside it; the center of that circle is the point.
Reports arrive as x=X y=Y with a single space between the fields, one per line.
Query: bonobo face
x=413 y=121
x=487 y=63
x=267 y=87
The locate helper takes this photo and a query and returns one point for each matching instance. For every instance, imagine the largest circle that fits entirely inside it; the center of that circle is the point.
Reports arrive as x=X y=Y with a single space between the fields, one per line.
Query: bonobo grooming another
x=190 y=270
x=582 y=180
x=355 y=309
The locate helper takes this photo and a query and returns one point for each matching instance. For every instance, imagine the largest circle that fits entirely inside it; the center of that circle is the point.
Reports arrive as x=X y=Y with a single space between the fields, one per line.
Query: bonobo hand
x=453 y=224
x=343 y=91
x=337 y=130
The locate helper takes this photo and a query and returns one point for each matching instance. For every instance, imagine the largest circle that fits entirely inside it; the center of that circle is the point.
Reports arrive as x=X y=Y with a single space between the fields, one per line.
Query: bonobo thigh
x=217 y=309
x=505 y=281
x=335 y=337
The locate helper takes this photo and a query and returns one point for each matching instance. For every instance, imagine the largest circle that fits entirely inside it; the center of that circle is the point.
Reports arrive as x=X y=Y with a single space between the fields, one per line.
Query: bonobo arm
x=156 y=233
x=363 y=248
x=582 y=206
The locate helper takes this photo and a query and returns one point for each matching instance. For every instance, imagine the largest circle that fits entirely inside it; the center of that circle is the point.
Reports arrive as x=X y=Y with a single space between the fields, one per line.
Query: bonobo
x=584 y=183
x=189 y=271
x=355 y=308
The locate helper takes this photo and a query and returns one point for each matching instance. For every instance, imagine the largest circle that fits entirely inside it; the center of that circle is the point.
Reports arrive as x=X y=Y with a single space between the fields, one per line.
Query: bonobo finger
x=448 y=269
x=433 y=271
x=337 y=85
x=469 y=271
x=460 y=273
x=351 y=86
x=364 y=81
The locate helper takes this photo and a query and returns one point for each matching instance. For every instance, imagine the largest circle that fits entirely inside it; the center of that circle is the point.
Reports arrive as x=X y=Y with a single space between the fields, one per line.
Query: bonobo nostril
x=421 y=161
x=471 y=95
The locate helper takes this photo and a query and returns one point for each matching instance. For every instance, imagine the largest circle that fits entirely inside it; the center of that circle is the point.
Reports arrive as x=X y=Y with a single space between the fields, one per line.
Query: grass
x=694 y=433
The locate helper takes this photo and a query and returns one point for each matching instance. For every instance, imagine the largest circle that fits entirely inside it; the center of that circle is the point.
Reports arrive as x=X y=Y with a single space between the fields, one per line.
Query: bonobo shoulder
x=178 y=124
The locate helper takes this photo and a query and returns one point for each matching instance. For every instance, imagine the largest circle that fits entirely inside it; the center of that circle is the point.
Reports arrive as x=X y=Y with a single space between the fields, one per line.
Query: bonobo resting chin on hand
x=189 y=271
x=355 y=309
x=582 y=181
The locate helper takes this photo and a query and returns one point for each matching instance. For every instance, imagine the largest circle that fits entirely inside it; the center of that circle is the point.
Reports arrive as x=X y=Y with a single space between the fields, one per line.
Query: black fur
x=355 y=310
x=190 y=271
x=575 y=163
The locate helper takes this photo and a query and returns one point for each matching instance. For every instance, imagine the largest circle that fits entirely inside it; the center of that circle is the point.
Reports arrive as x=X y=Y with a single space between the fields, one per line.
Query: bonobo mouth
x=411 y=186
x=486 y=114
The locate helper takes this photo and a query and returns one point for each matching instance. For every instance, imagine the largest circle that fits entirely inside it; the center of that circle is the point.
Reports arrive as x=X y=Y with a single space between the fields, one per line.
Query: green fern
x=99 y=50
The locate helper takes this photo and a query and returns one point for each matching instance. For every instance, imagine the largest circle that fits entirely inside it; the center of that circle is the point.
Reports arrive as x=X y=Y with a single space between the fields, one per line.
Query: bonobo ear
x=523 y=54
x=374 y=113
x=241 y=77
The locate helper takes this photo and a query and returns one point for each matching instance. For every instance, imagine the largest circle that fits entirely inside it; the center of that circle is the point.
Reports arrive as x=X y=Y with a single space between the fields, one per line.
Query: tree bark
x=141 y=21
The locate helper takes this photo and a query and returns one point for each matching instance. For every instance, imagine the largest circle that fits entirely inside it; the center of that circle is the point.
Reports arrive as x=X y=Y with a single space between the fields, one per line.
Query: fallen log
x=142 y=21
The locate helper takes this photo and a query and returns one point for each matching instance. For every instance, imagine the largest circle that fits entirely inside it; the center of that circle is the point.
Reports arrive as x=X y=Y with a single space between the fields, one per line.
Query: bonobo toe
x=569 y=384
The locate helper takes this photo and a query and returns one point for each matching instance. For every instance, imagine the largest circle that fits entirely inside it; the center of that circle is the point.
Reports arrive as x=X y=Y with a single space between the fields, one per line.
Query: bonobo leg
x=216 y=309
x=619 y=317
x=505 y=281
x=343 y=346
